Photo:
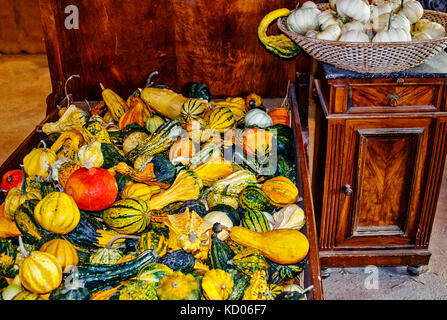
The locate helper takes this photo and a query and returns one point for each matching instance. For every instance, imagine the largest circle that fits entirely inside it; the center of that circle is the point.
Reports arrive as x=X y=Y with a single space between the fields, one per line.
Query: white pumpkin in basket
x=355 y=9
x=392 y=35
x=354 y=25
x=394 y=4
x=418 y=36
x=327 y=18
x=376 y=11
x=434 y=29
x=303 y=19
x=309 y=4
x=397 y=21
x=311 y=34
x=333 y=32
x=354 y=36
x=413 y=10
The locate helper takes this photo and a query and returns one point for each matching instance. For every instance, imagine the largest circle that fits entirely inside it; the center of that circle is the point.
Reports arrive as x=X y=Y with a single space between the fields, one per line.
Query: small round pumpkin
x=222 y=119
x=57 y=213
x=63 y=250
x=40 y=272
x=128 y=216
x=139 y=191
x=92 y=189
x=253 y=101
x=279 y=116
x=11 y=179
x=178 y=286
x=39 y=161
x=280 y=191
x=217 y=284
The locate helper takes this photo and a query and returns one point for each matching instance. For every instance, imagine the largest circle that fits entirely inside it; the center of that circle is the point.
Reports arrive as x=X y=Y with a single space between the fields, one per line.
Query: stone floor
x=24 y=85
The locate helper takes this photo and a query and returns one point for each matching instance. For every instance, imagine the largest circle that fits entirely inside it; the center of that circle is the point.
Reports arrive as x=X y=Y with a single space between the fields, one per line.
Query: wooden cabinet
x=380 y=147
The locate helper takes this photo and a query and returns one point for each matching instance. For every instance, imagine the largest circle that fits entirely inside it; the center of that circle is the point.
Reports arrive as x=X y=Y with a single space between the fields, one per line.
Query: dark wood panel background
x=119 y=43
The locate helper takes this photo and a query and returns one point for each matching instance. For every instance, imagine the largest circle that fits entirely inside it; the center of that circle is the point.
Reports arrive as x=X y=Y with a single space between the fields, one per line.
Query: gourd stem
x=110 y=243
x=23 y=186
x=149 y=82
x=308 y=289
x=102 y=86
x=44 y=145
x=65 y=87
x=389 y=19
x=22 y=248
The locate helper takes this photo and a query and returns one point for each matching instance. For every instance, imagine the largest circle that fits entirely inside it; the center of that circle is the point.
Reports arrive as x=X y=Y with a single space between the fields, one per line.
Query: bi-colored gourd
x=280 y=44
x=115 y=104
x=153 y=123
x=73 y=119
x=138 y=113
x=186 y=186
x=67 y=144
x=235 y=104
x=27 y=224
x=133 y=140
x=152 y=241
x=90 y=155
x=63 y=250
x=154 y=272
x=289 y=217
x=57 y=213
x=193 y=109
x=222 y=119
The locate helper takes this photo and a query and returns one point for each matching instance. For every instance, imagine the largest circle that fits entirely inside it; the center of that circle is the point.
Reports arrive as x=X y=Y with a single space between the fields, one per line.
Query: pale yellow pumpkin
x=39 y=161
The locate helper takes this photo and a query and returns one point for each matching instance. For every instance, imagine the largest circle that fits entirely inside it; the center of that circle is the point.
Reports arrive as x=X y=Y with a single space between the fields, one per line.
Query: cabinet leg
x=325 y=273
x=417 y=270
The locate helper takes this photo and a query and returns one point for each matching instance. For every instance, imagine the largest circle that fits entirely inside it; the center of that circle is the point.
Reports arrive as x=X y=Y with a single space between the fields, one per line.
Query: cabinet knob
x=400 y=81
x=347 y=190
x=394 y=99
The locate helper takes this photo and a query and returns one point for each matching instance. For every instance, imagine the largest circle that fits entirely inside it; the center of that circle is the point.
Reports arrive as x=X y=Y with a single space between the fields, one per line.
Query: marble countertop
x=433 y=68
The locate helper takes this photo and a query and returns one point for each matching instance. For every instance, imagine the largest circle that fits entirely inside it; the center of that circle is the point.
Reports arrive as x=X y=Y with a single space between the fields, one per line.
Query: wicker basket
x=371 y=57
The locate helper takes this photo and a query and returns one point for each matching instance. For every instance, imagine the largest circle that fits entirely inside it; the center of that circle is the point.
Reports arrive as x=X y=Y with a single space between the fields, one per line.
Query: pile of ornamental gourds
x=161 y=196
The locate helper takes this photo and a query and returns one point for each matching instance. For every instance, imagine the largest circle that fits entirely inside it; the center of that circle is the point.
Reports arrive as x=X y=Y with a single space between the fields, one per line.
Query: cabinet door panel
x=384 y=166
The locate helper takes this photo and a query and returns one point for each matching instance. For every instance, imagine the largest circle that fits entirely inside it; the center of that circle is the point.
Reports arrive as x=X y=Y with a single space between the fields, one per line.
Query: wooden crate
x=120 y=43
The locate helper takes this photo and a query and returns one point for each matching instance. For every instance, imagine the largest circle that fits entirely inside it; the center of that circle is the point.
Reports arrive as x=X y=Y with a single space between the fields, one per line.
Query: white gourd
x=311 y=34
x=413 y=10
x=90 y=155
x=327 y=18
x=394 y=4
x=418 y=36
x=376 y=11
x=397 y=21
x=354 y=36
x=355 y=9
x=392 y=35
x=434 y=29
x=302 y=20
x=332 y=33
x=289 y=217
x=354 y=25
x=222 y=218
x=309 y=4
x=259 y=118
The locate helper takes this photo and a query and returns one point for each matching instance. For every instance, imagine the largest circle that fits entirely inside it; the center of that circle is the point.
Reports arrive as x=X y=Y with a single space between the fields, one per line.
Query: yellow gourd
x=39 y=161
x=72 y=119
x=283 y=246
x=57 y=213
x=139 y=190
x=164 y=101
x=217 y=285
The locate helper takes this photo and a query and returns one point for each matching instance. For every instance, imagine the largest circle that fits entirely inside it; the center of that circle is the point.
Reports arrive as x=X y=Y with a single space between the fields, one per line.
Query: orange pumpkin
x=138 y=113
x=280 y=116
x=63 y=250
x=255 y=140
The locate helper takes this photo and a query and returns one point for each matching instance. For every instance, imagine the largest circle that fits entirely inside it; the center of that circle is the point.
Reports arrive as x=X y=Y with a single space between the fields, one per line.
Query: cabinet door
x=382 y=182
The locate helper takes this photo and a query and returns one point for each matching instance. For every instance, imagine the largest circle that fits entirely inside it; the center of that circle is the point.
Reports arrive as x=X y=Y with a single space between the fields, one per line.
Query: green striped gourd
x=106 y=256
x=215 y=198
x=159 y=141
x=220 y=254
x=254 y=198
x=233 y=184
x=221 y=119
x=193 y=109
x=27 y=224
x=255 y=220
x=152 y=241
x=128 y=216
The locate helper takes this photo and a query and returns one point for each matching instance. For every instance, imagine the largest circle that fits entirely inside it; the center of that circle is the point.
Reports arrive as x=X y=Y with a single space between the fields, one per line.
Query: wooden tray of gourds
x=133 y=200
